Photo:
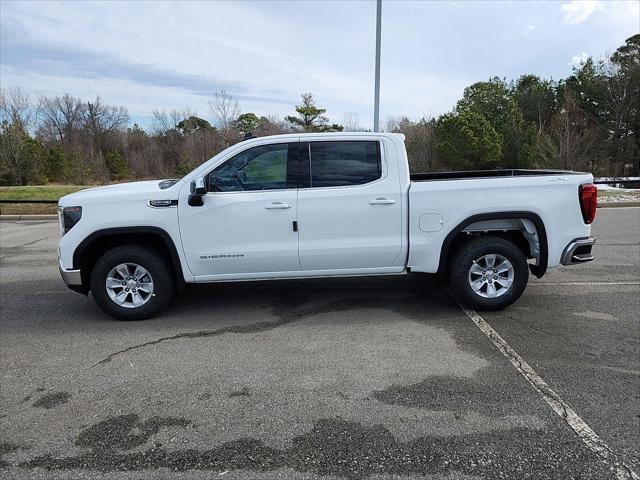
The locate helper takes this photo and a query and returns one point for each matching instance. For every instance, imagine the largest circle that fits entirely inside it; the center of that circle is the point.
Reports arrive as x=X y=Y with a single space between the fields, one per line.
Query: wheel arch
x=97 y=243
x=450 y=240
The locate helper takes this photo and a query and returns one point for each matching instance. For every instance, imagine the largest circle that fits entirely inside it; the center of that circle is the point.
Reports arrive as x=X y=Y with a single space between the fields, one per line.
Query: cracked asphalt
x=375 y=378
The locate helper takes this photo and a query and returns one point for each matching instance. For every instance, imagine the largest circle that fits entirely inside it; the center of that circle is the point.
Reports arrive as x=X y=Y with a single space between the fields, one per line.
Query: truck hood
x=153 y=189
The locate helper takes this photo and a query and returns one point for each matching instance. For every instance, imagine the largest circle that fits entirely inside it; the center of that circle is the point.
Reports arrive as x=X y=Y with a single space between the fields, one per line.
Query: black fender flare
x=538 y=270
x=83 y=246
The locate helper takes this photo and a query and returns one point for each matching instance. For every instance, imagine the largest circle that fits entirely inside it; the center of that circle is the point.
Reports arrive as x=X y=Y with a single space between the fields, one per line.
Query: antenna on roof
x=248 y=136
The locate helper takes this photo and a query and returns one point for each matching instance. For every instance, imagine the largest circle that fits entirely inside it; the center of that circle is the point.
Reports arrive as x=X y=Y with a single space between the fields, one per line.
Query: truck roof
x=288 y=136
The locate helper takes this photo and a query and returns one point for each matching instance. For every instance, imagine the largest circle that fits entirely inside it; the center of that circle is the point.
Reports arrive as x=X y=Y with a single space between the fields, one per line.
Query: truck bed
x=425 y=177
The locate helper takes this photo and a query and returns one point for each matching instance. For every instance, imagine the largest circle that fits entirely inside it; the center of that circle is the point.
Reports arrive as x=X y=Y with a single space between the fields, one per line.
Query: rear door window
x=344 y=163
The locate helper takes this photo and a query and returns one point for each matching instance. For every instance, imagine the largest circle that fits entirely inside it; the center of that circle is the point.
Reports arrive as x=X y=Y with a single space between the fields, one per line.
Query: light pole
x=376 y=95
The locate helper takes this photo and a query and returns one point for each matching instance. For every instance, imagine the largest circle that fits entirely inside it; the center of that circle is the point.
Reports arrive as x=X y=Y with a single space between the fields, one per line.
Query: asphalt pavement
x=373 y=378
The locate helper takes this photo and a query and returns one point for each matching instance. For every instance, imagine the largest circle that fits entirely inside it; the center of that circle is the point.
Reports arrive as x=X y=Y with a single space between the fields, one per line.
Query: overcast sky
x=175 y=55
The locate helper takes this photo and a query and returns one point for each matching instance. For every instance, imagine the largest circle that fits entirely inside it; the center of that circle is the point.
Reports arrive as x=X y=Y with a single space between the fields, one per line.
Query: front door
x=246 y=226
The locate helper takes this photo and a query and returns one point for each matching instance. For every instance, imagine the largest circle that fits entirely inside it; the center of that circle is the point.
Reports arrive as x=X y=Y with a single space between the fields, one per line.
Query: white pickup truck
x=322 y=205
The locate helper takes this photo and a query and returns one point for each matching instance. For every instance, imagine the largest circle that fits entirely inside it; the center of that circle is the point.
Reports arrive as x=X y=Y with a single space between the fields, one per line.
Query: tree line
x=588 y=121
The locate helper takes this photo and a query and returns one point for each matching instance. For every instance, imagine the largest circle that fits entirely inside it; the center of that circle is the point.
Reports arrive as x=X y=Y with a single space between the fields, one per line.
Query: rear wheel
x=488 y=273
x=131 y=283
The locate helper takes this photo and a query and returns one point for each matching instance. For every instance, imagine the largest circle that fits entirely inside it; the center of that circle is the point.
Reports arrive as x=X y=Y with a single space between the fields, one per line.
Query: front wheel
x=488 y=273
x=131 y=283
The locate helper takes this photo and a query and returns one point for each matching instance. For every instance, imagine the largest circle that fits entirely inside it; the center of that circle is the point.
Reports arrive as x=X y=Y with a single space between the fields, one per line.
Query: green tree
x=193 y=124
x=494 y=101
x=57 y=164
x=536 y=99
x=247 y=123
x=467 y=140
x=116 y=165
x=311 y=118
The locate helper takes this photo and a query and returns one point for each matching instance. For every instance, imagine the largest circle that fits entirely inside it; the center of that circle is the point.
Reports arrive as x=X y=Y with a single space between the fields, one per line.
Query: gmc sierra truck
x=322 y=205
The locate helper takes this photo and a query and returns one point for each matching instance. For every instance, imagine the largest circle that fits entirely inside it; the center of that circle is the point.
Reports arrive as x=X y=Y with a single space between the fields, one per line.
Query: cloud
x=72 y=62
x=577 y=11
x=578 y=59
x=177 y=54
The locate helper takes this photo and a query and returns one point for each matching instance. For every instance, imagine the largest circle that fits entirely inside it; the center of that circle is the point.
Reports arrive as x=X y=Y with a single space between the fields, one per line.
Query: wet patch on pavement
x=340 y=448
x=445 y=393
x=243 y=392
x=5 y=448
x=125 y=432
x=52 y=400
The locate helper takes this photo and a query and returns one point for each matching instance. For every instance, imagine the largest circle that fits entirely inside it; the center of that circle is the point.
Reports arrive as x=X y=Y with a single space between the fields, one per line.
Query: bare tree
x=165 y=121
x=571 y=140
x=225 y=109
x=101 y=119
x=622 y=92
x=351 y=122
x=391 y=123
x=101 y=122
x=17 y=117
x=61 y=117
x=420 y=142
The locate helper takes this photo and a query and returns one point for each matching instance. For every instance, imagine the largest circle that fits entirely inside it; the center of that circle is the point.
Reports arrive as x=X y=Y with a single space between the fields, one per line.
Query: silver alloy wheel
x=491 y=275
x=129 y=285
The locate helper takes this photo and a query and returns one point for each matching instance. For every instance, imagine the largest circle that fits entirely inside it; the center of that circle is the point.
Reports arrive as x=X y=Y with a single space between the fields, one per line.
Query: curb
x=618 y=204
x=21 y=218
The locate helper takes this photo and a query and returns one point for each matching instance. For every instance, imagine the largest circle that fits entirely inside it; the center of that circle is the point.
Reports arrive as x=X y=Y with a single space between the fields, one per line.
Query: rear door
x=349 y=207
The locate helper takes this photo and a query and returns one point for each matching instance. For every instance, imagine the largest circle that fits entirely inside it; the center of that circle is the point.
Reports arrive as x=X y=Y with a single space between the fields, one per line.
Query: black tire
x=474 y=249
x=150 y=260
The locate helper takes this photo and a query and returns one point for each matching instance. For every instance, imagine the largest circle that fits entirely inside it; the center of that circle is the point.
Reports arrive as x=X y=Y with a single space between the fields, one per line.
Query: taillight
x=588 y=195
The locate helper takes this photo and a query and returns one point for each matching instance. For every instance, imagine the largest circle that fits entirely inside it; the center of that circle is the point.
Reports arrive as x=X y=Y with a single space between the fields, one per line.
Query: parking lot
x=344 y=378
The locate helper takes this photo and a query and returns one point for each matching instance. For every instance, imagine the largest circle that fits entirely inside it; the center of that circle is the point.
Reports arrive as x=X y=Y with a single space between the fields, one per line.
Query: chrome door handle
x=277 y=206
x=382 y=201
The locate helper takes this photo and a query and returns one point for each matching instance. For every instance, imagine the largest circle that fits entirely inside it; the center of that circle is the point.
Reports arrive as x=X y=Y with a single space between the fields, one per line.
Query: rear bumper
x=578 y=251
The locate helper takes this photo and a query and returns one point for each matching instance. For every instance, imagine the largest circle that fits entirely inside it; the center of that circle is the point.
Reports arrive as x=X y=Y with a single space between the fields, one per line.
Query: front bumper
x=578 y=251
x=70 y=277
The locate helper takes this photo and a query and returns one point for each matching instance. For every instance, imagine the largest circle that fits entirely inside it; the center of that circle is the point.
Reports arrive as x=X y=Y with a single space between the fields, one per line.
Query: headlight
x=69 y=217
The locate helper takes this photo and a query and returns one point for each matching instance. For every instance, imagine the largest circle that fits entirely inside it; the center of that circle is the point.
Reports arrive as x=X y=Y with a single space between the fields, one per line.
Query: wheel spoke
x=121 y=297
x=491 y=290
x=114 y=283
x=476 y=269
x=490 y=260
x=123 y=271
x=504 y=282
x=477 y=285
x=137 y=299
x=504 y=266
x=139 y=272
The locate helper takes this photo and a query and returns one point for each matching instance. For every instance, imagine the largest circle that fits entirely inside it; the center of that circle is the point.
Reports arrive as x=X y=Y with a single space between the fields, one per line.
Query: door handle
x=382 y=201
x=277 y=206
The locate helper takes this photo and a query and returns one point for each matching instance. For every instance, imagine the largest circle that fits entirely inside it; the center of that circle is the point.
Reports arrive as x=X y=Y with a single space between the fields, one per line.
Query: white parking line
x=579 y=284
x=589 y=437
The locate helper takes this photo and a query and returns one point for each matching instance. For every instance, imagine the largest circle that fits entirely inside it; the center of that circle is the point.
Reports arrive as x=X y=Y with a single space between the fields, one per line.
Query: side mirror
x=199 y=187
x=198 y=192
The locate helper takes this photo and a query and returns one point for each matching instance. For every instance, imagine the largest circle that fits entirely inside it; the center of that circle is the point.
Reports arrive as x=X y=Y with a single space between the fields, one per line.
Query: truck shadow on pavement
x=302 y=300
